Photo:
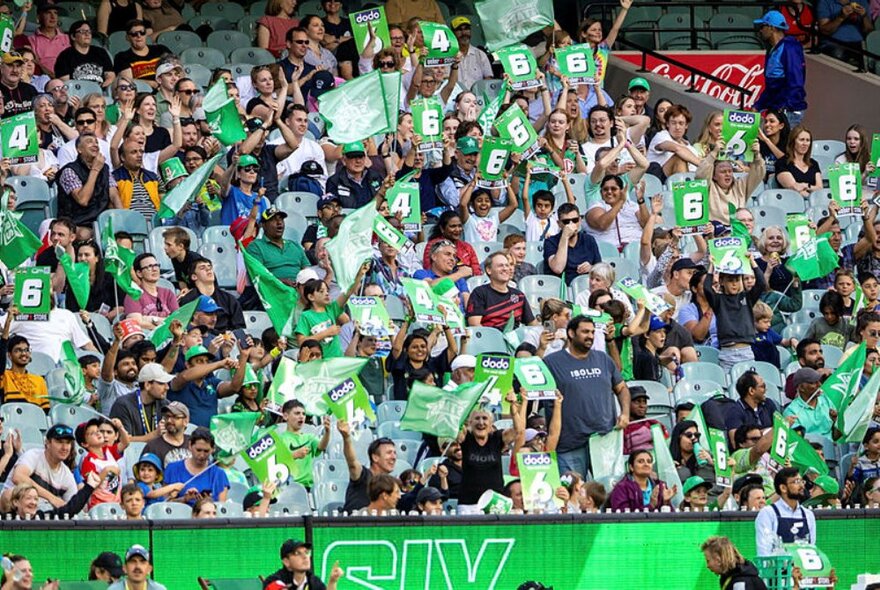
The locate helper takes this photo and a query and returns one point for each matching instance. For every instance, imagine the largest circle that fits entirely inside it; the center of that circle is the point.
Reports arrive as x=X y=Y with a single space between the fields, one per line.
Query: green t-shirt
x=301 y=470
x=742 y=466
x=312 y=322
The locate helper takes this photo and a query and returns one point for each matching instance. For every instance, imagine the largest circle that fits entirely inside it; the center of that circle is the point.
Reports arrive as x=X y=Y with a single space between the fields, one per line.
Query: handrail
x=745 y=93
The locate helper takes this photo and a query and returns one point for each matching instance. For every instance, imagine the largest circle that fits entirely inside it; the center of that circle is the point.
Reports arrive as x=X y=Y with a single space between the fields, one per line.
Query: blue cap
x=207 y=304
x=657 y=324
x=774 y=19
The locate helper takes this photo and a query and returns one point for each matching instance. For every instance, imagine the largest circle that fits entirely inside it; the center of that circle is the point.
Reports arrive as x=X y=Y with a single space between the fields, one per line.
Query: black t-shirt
x=229 y=316
x=495 y=307
x=809 y=177
x=17 y=100
x=356 y=492
x=289 y=69
x=157 y=141
x=183 y=268
x=167 y=452
x=143 y=67
x=48 y=258
x=481 y=467
x=400 y=369
x=646 y=365
x=348 y=52
x=254 y=103
x=78 y=66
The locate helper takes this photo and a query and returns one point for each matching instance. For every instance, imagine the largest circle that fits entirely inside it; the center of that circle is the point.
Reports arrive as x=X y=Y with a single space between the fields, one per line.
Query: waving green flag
x=432 y=410
x=183 y=193
x=853 y=421
x=279 y=300
x=77 y=276
x=118 y=261
x=843 y=383
x=184 y=314
x=284 y=384
x=815 y=259
x=318 y=377
x=349 y=401
x=233 y=432
x=222 y=115
x=353 y=111
x=490 y=109
x=507 y=22
x=737 y=228
x=74 y=382
x=353 y=244
x=17 y=242
x=664 y=465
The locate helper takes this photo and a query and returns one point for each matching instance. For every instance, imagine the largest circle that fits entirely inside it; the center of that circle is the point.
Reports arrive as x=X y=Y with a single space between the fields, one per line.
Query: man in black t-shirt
x=383 y=457
x=176 y=243
x=140 y=61
x=18 y=96
x=491 y=305
x=82 y=60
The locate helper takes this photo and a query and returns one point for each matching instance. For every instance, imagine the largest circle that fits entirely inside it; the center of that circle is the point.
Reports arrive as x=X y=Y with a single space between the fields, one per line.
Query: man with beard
x=173 y=444
x=588 y=380
x=45 y=469
x=118 y=373
x=140 y=410
x=448 y=476
x=491 y=305
x=137 y=571
x=809 y=354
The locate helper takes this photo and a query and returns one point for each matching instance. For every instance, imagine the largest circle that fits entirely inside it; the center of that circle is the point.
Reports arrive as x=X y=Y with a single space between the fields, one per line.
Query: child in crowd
x=648 y=362
x=132 y=501
x=623 y=333
x=735 y=323
x=870 y=291
x=102 y=459
x=258 y=498
x=845 y=284
x=304 y=446
x=480 y=222
x=830 y=328
x=91 y=371
x=250 y=398
x=868 y=463
x=323 y=318
x=227 y=464
x=637 y=435
x=766 y=338
x=515 y=244
x=148 y=477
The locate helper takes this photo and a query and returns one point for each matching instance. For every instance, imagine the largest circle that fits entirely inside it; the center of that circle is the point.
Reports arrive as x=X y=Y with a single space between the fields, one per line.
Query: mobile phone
x=242 y=339
x=550 y=326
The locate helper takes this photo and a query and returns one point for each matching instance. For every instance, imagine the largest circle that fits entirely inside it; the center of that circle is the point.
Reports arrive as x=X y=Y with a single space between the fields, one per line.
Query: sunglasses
x=249 y=169
x=189 y=91
x=125 y=87
x=86 y=122
x=301 y=41
x=572 y=220
x=692 y=435
x=386 y=64
x=137 y=33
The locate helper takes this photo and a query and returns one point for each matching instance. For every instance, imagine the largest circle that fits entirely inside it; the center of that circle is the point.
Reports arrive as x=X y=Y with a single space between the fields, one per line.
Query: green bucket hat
x=194 y=351
x=172 y=169
x=250 y=376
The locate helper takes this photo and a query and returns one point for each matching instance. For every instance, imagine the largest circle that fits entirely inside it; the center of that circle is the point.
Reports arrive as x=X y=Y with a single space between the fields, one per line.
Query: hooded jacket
x=743 y=577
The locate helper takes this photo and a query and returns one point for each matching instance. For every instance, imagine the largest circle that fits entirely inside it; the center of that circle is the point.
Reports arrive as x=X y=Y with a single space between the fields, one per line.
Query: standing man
x=490 y=305
x=48 y=41
x=82 y=60
x=785 y=519
x=173 y=444
x=785 y=70
x=589 y=381
x=383 y=457
x=137 y=571
x=475 y=64
x=283 y=258
x=296 y=570
x=572 y=251
x=140 y=410
x=18 y=96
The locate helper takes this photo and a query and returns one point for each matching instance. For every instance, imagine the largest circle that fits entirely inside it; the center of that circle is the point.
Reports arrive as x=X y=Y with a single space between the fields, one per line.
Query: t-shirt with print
x=108 y=491
x=481 y=229
x=59 y=481
x=200 y=399
x=495 y=307
x=481 y=467
x=143 y=67
x=301 y=469
x=313 y=322
x=167 y=452
x=587 y=386
x=90 y=66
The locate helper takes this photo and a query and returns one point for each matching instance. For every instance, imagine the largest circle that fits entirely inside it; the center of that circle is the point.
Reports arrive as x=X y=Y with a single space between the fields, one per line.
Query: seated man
x=17 y=385
x=572 y=251
x=85 y=187
x=442 y=257
x=811 y=409
x=229 y=313
x=491 y=305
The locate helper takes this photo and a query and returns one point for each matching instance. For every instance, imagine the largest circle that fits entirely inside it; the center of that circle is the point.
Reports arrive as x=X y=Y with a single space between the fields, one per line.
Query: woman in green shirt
x=322 y=317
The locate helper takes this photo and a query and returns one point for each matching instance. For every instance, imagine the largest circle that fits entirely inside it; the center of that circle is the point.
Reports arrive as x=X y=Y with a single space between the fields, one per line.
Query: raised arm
x=354 y=466
x=618 y=22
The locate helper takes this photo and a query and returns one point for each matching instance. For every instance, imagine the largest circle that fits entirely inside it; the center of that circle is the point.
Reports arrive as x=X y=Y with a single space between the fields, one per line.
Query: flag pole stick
x=775 y=305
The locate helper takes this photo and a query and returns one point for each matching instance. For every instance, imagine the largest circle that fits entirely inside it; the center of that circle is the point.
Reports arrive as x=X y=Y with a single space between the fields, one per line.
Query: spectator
x=589 y=382
x=46 y=469
x=140 y=410
x=47 y=337
x=85 y=122
x=198 y=474
x=785 y=518
x=515 y=245
x=17 y=385
x=429 y=500
x=573 y=251
x=735 y=571
x=444 y=265
x=304 y=446
x=411 y=352
x=724 y=188
x=105 y=295
x=785 y=70
x=678 y=283
x=670 y=152
x=215 y=300
x=173 y=444
x=25 y=503
x=296 y=561
x=753 y=406
x=106 y=567
x=354 y=184
x=82 y=60
x=475 y=64
x=831 y=327
x=798 y=171
x=274 y=26
x=140 y=61
x=637 y=434
x=17 y=95
x=283 y=258
x=809 y=354
x=102 y=458
x=199 y=389
x=48 y=42
x=155 y=303
x=51 y=131
x=648 y=360
x=162 y=16
x=450 y=483
x=322 y=318
x=85 y=186
x=844 y=28
x=617 y=210
x=177 y=244
x=691 y=458
x=811 y=409
x=383 y=456
x=138 y=568
x=112 y=16
x=308 y=159
x=133 y=500
x=383 y=491
x=204 y=508
x=492 y=304
x=638 y=491
x=449 y=228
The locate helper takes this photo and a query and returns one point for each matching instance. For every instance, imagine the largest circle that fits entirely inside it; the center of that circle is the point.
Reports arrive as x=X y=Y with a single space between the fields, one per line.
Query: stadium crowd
x=535 y=269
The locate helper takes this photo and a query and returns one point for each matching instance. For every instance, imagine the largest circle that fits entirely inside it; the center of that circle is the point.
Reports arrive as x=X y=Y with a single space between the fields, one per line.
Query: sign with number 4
x=19 y=136
x=32 y=292
x=441 y=44
x=423 y=301
x=403 y=198
x=691 y=200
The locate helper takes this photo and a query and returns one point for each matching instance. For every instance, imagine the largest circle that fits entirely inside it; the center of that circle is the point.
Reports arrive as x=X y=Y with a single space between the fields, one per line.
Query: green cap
x=250 y=376
x=639 y=83
x=828 y=484
x=247 y=160
x=445 y=288
x=467 y=145
x=172 y=169
x=693 y=482
x=355 y=147
x=194 y=351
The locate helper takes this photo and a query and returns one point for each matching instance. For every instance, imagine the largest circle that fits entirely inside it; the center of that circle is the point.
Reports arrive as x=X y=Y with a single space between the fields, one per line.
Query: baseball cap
x=428 y=494
x=806 y=375
x=656 y=324
x=11 y=57
x=693 y=482
x=355 y=147
x=321 y=82
x=684 y=263
x=178 y=409
x=532 y=433
x=828 y=484
x=637 y=392
x=290 y=545
x=272 y=212
x=247 y=160
x=137 y=551
x=154 y=372
x=253 y=497
x=773 y=18
x=747 y=479
x=194 y=351
x=467 y=145
x=167 y=67
x=110 y=562
x=464 y=361
x=327 y=200
x=311 y=168
x=60 y=432
x=639 y=82
x=207 y=305
x=459 y=21
x=306 y=275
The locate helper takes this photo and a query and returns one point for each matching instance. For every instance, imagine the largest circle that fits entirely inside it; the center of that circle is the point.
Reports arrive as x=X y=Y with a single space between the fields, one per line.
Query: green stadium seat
x=644 y=38
x=217 y=23
x=766 y=370
x=623 y=267
x=80 y=88
x=607 y=249
x=674 y=31
x=390 y=411
x=701 y=370
x=251 y=55
x=696 y=391
x=71 y=415
x=768 y=215
x=208 y=57
x=177 y=41
x=23 y=415
x=707 y=354
x=227 y=41
x=228 y=10
x=124 y=220
x=486 y=340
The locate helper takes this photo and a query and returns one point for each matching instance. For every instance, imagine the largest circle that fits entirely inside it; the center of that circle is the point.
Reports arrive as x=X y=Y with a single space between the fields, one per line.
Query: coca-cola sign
x=742 y=68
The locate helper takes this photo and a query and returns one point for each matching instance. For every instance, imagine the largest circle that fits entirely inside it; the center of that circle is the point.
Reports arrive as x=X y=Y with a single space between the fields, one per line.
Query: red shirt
x=108 y=491
x=799 y=25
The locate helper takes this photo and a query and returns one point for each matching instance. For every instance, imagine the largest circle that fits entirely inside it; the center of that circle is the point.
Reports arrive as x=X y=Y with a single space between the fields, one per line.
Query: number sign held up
x=576 y=62
x=32 y=293
x=845 y=181
x=18 y=134
x=739 y=130
x=441 y=44
x=691 y=200
x=520 y=65
x=427 y=114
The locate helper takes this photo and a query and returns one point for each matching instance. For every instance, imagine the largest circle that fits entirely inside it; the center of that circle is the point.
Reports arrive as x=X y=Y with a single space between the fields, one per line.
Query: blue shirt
x=850 y=30
x=740 y=414
x=201 y=401
x=238 y=204
x=785 y=73
x=586 y=250
x=212 y=479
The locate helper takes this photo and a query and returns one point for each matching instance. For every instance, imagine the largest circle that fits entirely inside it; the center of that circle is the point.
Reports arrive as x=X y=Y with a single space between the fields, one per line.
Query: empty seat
x=227 y=41
x=536 y=288
x=251 y=55
x=177 y=41
x=209 y=57
x=486 y=340
x=23 y=415
x=168 y=510
x=390 y=411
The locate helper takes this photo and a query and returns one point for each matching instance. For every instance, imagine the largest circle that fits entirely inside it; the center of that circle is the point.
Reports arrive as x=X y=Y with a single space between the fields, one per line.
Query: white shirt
x=59 y=478
x=658 y=156
x=474 y=66
x=481 y=229
x=47 y=337
x=680 y=300
x=67 y=153
x=624 y=229
x=308 y=149
x=765 y=525
x=535 y=227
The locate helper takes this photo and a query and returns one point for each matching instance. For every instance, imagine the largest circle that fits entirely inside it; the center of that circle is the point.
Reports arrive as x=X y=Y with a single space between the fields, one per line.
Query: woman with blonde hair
x=710 y=133
x=95 y=101
x=773 y=246
x=735 y=571
x=550 y=336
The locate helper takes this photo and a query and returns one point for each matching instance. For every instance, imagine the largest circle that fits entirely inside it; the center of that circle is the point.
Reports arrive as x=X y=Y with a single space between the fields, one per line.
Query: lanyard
x=148 y=428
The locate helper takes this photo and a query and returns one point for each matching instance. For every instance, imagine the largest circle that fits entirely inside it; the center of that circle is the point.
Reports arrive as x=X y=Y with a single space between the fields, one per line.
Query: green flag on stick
x=664 y=465
x=73 y=378
x=222 y=115
x=186 y=191
x=279 y=300
x=284 y=384
x=353 y=245
x=490 y=109
x=184 y=314
x=118 y=261
x=233 y=432
x=432 y=410
x=815 y=259
x=318 y=377
x=352 y=111
x=77 y=276
x=842 y=385
x=507 y=22
x=17 y=242
x=853 y=421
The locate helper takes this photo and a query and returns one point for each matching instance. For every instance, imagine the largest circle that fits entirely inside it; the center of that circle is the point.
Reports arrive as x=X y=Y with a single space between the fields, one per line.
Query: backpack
x=302 y=183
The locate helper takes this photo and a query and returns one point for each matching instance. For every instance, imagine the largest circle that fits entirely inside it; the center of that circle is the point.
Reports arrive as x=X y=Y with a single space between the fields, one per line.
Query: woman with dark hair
x=449 y=227
x=139 y=122
x=615 y=218
x=798 y=171
x=690 y=456
x=317 y=54
x=658 y=121
x=697 y=317
x=773 y=135
x=322 y=318
x=858 y=150
x=638 y=491
x=201 y=476
x=411 y=353
x=272 y=27
x=103 y=290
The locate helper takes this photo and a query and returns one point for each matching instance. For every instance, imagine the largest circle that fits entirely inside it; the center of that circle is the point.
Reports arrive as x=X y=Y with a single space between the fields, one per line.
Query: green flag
x=490 y=109
x=233 y=432
x=279 y=300
x=118 y=261
x=318 y=377
x=349 y=401
x=284 y=383
x=843 y=383
x=73 y=377
x=77 y=276
x=432 y=410
x=189 y=187
x=737 y=228
x=854 y=420
x=664 y=465
x=161 y=334
x=607 y=461
x=803 y=455
x=17 y=242
x=696 y=415
x=353 y=245
x=222 y=115
x=269 y=458
x=391 y=85
x=507 y=22
x=352 y=111
x=814 y=260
